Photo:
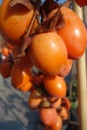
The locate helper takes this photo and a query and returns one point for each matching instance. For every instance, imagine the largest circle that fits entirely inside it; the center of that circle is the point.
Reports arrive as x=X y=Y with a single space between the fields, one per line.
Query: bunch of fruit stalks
x=42 y=41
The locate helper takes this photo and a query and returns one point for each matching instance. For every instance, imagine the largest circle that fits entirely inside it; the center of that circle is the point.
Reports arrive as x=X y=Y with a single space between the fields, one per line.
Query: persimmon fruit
x=73 y=33
x=56 y=104
x=48 y=116
x=34 y=101
x=20 y=75
x=66 y=103
x=57 y=125
x=48 y=52
x=64 y=113
x=26 y=87
x=14 y=20
x=66 y=70
x=41 y=63
x=5 y=51
x=55 y=85
x=5 y=68
x=81 y=2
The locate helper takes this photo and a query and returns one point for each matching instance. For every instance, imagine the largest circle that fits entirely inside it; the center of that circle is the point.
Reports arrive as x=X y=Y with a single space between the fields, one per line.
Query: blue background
x=0 y=1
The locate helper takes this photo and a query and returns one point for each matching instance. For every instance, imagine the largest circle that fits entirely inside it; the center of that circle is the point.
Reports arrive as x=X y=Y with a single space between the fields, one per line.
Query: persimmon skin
x=81 y=2
x=34 y=102
x=5 y=68
x=48 y=52
x=55 y=85
x=64 y=113
x=73 y=33
x=57 y=125
x=56 y=104
x=27 y=87
x=66 y=103
x=48 y=116
x=14 y=21
x=64 y=72
x=5 y=52
x=20 y=75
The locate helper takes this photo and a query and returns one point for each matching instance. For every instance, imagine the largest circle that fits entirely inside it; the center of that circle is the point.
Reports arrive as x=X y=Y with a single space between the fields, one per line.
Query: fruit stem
x=34 y=16
x=31 y=24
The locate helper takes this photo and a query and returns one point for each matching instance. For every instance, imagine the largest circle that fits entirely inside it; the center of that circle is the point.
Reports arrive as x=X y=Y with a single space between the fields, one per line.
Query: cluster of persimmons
x=42 y=41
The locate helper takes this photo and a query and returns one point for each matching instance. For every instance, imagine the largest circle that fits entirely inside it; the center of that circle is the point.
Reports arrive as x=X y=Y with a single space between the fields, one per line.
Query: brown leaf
x=55 y=22
x=67 y=3
x=43 y=14
x=25 y=3
x=26 y=42
x=49 y=5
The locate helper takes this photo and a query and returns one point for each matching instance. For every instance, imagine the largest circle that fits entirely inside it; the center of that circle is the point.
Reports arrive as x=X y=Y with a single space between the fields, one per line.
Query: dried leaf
x=49 y=5
x=25 y=44
x=55 y=22
x=25 y=3
x=43 y=14
x=67 y=3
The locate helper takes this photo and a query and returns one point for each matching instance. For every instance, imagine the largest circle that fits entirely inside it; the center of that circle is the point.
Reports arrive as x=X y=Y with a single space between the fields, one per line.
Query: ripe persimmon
x=73 y=33
x=81 y=2
x=48 y=116
x=14 y=20
x=64 y=113
x=47 y=128
x=26 y=87
x=66 y=103
x=55 y=85
x=56 y=104
x=5 y=68
x=66 y=70
x=20 y=75
x=57 y=125
x=5 y=51
x=48 y=52
x=34 y=101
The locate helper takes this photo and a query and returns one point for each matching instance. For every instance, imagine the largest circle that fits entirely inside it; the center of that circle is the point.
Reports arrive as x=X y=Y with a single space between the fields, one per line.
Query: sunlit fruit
x=64 y=72
x=48 y=52
x=73 y=33
x=20 y=75
x=14 y=20
x=64 y=113
x=34 y=100
x=55 y=85
x=56 y=104
x=57 y=125
x=48 y=116
x=5 y=51
x=66 y=103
